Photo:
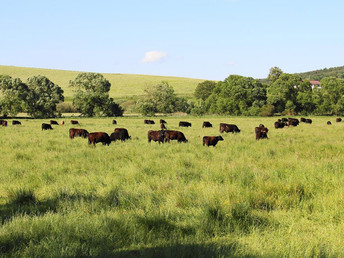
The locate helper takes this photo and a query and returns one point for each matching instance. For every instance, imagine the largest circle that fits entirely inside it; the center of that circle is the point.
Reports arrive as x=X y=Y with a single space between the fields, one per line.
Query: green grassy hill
x=326 y=72
x=122 y=85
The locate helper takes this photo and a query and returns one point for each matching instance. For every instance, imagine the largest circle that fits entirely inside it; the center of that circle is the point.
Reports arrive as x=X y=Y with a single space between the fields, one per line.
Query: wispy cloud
x=229 y=64
x=153 y=56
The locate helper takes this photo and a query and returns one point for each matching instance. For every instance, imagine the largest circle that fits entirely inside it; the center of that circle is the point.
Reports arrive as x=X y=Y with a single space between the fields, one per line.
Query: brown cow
x=303 y=120
x=157 y=136
x=74 y=122
x=76 y=132
x=261 y=133
x=279 y=124
x=229 y=128
x=329 y=123
x=46 y=127
x=3 y=122
x=53 y=122
x=120 y=134
x=99 y=137
x=114 y=122
x=338 y=119
x=162 y=121
x=62 y=123
x=211 y=140
x=293 y=122
x=308 y=121
x=162 y=126
x=149 y=122
x=175 y=135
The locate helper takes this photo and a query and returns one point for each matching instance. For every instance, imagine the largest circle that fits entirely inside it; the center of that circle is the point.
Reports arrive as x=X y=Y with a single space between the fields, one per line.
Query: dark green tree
x=42 y=97
x=305 y=102
x=13 y=93
x=204 y=89
x=91 y=95
x=332 y=90
x=274 y=74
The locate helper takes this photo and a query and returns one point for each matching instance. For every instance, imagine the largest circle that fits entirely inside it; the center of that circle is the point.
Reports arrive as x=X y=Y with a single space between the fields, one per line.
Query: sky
x=204 y=39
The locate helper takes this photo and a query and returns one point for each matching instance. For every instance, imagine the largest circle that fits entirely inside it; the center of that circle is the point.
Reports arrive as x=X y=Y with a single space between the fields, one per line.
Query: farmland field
x=277 y=197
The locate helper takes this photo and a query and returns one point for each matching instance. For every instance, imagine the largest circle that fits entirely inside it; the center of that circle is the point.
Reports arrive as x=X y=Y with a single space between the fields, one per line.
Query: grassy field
x=122 y=85
x=277 y=197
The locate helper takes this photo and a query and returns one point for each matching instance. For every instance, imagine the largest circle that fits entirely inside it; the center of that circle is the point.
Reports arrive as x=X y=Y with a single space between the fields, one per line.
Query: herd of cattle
x=164 y=135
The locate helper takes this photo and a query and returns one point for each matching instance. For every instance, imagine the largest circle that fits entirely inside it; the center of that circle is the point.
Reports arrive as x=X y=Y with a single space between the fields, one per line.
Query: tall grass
x=277 y=197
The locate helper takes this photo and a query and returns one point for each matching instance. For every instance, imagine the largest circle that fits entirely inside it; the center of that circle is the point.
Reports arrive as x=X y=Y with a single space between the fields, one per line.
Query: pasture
x=277 y=197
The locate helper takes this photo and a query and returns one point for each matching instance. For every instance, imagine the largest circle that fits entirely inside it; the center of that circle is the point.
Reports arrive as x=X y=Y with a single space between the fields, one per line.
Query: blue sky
x=197 y=39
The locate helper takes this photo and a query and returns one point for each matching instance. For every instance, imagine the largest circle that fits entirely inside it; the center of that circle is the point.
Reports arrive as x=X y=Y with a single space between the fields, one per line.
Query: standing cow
x=211 y=140
x=16 y=122
x=76 y=132
x=53 y=122
x=175 y=135
x=120 y=134
x=229 y=128
x=157 y=136
x=261 y=132
x=206 y=124
x=96 y=137
x=46 y=127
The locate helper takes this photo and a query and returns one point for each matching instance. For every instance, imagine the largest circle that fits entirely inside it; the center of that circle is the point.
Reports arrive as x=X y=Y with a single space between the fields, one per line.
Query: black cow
x=303 y=120
x=293 y=122
x=74 y=122
x=308 y=121
x=120 y=134
x=53 y=122
x=206 y=124
x=261 y=133
x=46 y=127
x=99 y=137
x=174 y=135
x=184 y=124
x=284 y=119
x=76 y=132
x=162 y=126
x=279 y=124
x=149 y=122
x=338 y=119
x=157 y=136
x=114 y=122
x=162 y=121
x=211 y=140
x=329 y=123
x=16 y=122
x=229 y=128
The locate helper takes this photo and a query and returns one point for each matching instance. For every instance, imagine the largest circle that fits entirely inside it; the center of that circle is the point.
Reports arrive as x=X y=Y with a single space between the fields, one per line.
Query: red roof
x=315 y=82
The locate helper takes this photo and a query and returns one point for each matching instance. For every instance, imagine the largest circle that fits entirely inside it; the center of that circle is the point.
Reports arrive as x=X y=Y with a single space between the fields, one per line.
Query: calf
x=229 y=128
x=206 y=124
x=211 y=140
x=46 y=127
x=76 y=132
x=96 y=137
x=184 y=124
x=261 y=133
x=157 y=136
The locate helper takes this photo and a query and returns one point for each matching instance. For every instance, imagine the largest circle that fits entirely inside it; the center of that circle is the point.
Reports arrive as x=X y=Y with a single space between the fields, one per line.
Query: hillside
x=122 y=85
x=326 y=72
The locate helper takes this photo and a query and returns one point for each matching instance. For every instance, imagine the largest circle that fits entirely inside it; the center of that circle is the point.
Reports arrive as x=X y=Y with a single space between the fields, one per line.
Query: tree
x=332 y=90
x=13 y=93
x=274 y=74
x=161 y=98
x=304 y=99
x=42 y=97
x=92 y=95
x=237 y=95
x=204 y=89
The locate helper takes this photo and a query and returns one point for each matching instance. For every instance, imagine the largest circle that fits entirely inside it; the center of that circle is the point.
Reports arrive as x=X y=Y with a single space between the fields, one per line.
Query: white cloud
x=153 y=56
x=230 y=64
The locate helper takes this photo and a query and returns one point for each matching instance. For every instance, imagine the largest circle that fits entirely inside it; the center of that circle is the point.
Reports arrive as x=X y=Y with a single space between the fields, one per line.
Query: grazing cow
x=206 y=124
x=3 y=122
x=338 y=119
x=162 y=126
x=74 y=122
x=284 y=119
x=174 y=135
x=53 y=122
x=162 y=121
x=229 y=128
x=303 y=120
x=261 y=133
x=308 y=121
x=76 y=132
x=114 y=122
x=16 y=122
x=280 y=124
x=329 y=123
x=149 y=122
x=211 y=140
x=293 y=122
x=120 y=134
x=99 y=137
x=46 y=127
x=157 y=136
x=184 y=124
x=62 y=123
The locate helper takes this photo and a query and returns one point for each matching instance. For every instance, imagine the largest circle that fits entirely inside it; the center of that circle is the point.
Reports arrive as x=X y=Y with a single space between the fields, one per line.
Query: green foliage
x=274 y=74
x=204 y=90
x=43 y=96
x=236 y=95
x=91 y=95
x=162 y=99
x=318 y=75
x=13 y=93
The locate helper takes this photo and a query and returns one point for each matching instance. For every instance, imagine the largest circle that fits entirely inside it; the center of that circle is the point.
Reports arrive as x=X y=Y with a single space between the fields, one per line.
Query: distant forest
x=317 y=75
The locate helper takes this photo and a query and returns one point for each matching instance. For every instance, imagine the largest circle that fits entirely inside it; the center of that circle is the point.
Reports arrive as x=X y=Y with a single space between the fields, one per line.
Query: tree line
x=39 y=97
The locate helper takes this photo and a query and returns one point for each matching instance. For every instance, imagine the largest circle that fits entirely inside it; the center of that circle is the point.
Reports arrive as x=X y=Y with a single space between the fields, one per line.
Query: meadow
x=277 y=197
